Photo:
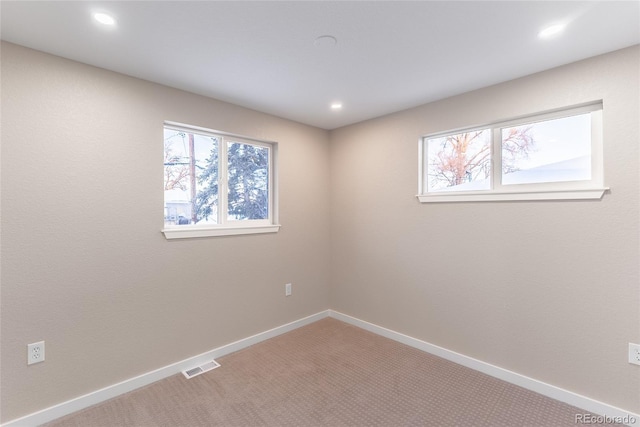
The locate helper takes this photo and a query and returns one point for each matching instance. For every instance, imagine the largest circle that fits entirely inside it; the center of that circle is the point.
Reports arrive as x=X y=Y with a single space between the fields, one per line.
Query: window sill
x=583 y=194
x=187 y=232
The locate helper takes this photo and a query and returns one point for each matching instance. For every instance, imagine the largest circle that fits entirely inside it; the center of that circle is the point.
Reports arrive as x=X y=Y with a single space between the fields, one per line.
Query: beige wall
x=549 y=289
x=84 y=265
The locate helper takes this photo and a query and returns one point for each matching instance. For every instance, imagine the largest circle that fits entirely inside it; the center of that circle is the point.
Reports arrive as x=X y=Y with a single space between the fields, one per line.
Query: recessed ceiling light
x=336 y=106
x=104 y=18
x=551 y=31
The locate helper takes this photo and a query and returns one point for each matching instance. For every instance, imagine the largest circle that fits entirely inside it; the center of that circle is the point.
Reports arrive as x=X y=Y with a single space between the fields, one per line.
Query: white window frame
x=563 y=190
x=229 y=227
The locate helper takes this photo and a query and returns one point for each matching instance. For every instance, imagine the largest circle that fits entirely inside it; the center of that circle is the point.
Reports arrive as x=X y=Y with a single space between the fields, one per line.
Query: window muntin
x=215 y=181
x=555 y=152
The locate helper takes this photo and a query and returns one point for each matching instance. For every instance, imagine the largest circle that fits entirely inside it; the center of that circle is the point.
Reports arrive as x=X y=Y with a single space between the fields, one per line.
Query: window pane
x=460 y=162
x=190 y=178
x=548 y=151
x=248 y=177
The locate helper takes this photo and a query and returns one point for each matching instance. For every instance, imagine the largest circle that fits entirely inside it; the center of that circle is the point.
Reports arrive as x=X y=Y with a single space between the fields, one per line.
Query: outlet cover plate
x=634 y=353
x=35 y=353
x=287 y=289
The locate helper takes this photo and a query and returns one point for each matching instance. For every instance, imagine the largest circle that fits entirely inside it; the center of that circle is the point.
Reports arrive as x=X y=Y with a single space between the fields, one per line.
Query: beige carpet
x=329 y=374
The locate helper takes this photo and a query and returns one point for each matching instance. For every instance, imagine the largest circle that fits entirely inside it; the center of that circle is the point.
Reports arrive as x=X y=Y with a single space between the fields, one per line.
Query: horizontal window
x=554 y=155
x=216 y=184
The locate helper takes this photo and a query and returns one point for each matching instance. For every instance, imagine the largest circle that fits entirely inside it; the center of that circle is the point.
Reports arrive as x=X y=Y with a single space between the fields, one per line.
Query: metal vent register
x=193 y=372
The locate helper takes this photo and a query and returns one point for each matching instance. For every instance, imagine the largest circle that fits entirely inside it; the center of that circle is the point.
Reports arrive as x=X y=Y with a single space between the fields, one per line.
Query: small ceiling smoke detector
x=325 y=41
x=104 y=19
x=551 y=31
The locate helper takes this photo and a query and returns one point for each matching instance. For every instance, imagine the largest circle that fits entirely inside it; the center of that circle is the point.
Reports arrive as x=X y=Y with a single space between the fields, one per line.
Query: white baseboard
x=545 y=389
x=68 y=407
x=582 y=402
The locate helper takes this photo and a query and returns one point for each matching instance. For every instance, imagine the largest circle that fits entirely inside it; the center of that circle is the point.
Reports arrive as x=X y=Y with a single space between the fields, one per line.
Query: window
x=216 y=184
x=555 y=155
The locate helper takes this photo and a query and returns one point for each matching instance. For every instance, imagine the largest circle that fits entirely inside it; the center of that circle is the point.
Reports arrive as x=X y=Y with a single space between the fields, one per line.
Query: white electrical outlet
x=35 y=353
x=287 y=289
x=634 y=353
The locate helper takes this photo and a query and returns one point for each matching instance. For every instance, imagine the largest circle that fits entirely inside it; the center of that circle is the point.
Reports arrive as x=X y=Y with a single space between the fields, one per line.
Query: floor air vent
x=193 y=372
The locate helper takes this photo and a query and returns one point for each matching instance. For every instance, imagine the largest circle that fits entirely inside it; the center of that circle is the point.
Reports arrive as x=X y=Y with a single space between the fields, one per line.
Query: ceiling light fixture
x=336 y=106
x=104 y=18
x=551 y=31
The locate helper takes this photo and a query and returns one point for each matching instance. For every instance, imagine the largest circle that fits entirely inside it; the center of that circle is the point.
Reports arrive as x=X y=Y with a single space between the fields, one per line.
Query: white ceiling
x=389 y=56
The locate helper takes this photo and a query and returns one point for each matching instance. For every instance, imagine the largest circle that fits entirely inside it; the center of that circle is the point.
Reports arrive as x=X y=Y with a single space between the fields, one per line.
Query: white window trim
x=588 y=194
x=575 y=190
x=186 y=232
x=230 y=227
